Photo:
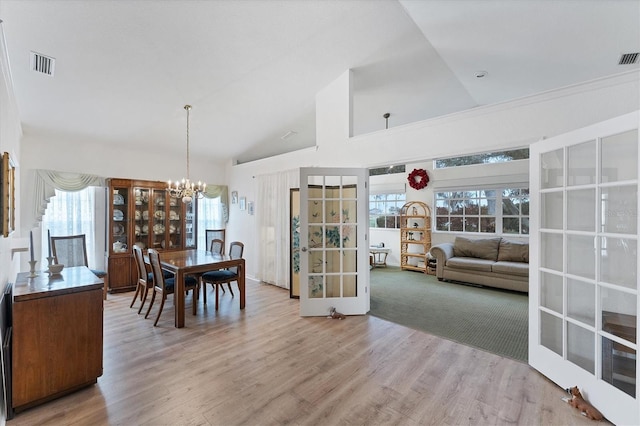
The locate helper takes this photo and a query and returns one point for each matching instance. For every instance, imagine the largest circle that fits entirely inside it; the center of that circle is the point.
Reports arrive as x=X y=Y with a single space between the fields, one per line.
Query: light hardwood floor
x=268 y=366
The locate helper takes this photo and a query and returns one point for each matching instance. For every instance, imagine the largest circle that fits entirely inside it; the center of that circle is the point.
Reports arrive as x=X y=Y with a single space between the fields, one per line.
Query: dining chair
x=217 y=247
x=71 y=250
x=145 y=279
x=212 y=234
x=166 y=286
x=220 y=277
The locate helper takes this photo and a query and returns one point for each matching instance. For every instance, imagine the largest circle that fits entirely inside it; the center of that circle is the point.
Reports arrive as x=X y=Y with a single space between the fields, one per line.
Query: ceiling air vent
x=42 y=64
x=629 y=58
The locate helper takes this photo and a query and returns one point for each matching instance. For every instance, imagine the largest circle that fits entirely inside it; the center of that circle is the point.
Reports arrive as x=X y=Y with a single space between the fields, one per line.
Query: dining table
x=193 y=262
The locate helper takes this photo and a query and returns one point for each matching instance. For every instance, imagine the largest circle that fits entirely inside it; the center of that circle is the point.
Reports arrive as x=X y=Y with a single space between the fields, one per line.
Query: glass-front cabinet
x=143 y=213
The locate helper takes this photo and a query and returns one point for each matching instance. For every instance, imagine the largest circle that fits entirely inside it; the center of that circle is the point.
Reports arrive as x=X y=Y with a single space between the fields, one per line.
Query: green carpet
x=489 y=319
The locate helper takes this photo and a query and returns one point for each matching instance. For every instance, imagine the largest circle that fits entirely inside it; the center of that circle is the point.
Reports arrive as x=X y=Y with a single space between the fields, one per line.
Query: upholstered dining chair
x=71 y=250
x=213 y=234
x=220 y=277
x=145 y=279
x=165 y=286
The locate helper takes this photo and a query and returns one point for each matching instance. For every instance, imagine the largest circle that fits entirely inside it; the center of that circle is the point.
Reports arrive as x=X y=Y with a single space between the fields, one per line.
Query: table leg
x=241 y=286
x=178 y=299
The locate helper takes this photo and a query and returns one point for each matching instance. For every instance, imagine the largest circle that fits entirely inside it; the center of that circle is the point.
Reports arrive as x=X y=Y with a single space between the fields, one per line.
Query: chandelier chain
x=188 y=108
x=186 y=189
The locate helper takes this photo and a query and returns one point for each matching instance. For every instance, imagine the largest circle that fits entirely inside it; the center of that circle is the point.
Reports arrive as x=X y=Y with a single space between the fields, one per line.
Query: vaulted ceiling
x=251 y=69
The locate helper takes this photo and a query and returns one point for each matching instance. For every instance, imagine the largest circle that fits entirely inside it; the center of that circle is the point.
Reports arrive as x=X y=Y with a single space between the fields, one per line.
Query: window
x=389 y=170
x=384 y=210
x=483 y=158
x=494 y=211
x=209 y=217
x=71 y=213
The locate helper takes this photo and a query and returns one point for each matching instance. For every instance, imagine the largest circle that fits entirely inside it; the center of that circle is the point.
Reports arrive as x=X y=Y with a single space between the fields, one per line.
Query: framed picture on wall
x=243 y=203
x=234 y=197
x=250 y=207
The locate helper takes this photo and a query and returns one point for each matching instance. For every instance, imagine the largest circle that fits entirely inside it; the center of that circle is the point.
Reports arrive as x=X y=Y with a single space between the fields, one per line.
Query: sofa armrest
x=442 y=252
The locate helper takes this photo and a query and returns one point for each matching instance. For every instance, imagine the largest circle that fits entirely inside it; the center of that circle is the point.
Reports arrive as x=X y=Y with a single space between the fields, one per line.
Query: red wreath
x=418 y=178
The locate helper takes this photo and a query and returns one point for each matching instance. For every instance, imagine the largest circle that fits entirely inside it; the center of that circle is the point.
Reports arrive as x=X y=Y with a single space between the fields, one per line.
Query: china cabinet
x=143 y=213
x=415 y=236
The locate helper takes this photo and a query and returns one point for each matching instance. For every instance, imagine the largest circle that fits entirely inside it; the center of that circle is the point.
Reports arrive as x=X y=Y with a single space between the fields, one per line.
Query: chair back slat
x=212 y=234
x=156 y=269
x=139 y=258
x=217 y=246
x=70 y=250
x=236 y=248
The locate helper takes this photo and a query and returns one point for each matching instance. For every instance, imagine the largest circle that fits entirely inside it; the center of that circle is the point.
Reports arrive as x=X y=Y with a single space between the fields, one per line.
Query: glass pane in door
x=581 y=347
x=619 y=157
x=581 y=159
x=552 y=169
x=619 y=211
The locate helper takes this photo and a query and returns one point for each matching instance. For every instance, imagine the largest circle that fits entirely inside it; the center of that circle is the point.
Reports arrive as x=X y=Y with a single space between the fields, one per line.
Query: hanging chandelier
x=184 y=188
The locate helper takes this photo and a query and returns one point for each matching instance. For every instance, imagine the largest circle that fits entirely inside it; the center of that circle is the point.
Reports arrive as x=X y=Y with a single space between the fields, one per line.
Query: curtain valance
x=222 y=191
x=47 y=181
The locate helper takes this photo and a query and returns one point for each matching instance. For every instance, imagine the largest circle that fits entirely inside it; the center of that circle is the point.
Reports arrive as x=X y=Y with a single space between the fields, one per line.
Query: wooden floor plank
x=266 y=365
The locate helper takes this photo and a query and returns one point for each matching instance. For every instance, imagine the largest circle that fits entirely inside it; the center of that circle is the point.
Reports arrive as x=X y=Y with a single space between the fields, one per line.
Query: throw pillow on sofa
x=512 y=251
x=485 y=248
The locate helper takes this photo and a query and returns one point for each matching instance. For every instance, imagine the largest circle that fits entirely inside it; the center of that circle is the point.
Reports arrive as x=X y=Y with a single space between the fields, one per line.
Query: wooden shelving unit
x=415 y=236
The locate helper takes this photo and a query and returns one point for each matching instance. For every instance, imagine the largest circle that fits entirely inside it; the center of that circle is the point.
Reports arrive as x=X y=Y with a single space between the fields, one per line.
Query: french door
x=334 y=223
x=583 y=300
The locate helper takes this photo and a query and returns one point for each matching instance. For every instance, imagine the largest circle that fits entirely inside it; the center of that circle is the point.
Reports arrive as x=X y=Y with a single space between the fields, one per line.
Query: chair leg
x=164 y=297
x=194 y=300
x=153 y=298
x=217 y=287
x=204 y=292
x=135 y=296
x=144 y=298
x=231 y=291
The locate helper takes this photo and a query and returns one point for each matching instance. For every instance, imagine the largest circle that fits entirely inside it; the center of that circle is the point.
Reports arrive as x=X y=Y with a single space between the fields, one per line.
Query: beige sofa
x=493 y=262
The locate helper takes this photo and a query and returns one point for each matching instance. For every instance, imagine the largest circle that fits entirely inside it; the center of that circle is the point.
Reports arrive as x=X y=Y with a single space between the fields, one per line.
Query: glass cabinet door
x=159 y=220
x=141 y=217
x=119 y=212
x=175 y=228
x=190 y=240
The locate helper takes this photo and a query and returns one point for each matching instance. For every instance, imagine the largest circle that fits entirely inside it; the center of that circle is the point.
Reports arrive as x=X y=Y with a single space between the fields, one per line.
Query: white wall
x=507 y=125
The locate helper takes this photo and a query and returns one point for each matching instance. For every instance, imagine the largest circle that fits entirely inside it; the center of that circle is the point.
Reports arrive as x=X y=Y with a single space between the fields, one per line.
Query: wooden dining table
x=191 y=262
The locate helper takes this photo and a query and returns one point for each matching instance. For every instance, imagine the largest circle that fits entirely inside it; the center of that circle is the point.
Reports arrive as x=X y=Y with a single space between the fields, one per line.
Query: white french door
x=583 y=299
x=334 y=223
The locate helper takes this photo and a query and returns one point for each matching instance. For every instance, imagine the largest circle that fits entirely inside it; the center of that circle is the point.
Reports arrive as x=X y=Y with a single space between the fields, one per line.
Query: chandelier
x=184 y=188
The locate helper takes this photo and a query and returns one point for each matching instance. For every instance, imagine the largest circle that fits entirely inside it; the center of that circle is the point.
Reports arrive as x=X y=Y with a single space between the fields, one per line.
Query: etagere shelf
x=143 y=213
x=415 y=236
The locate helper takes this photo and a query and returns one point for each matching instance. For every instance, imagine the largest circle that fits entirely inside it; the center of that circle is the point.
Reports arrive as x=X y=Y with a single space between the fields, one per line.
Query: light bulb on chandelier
x=184 y=188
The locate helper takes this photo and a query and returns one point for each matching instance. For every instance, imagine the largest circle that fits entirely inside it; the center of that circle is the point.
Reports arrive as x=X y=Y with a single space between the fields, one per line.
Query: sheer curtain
x=274 y=223
x=71 y=213
x=210 y=216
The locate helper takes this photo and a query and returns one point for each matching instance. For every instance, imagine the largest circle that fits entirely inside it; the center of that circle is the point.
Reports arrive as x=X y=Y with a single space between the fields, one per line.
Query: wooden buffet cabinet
x=143 y=213
x=57 y=335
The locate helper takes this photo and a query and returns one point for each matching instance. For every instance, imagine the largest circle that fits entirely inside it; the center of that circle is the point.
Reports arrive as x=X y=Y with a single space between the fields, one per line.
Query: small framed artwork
x=243 y=203
x=7 y=194
x=250 y=207
x=234 y=197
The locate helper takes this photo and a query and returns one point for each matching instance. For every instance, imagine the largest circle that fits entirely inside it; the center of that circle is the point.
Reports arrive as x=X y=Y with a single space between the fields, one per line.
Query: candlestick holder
x=32 y=271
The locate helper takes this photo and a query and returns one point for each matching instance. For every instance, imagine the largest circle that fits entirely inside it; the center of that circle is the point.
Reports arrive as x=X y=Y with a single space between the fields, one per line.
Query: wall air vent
x=629 y=58
x=42 y=64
